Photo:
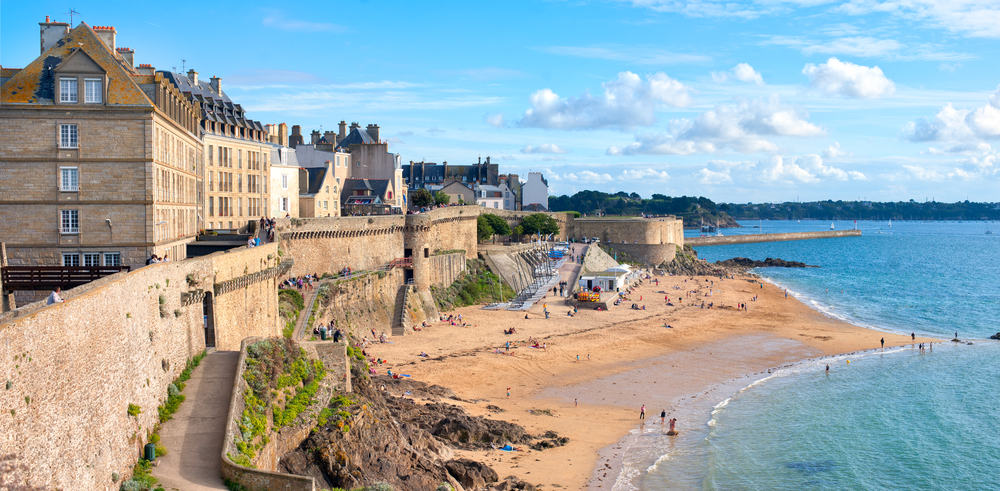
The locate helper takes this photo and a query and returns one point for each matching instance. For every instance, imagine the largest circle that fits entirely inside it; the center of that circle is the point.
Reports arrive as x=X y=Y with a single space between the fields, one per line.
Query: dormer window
x=93 y=90
x=67 y=91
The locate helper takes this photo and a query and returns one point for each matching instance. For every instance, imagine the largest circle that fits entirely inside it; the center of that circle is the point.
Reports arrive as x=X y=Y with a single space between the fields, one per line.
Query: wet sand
x=622 y=351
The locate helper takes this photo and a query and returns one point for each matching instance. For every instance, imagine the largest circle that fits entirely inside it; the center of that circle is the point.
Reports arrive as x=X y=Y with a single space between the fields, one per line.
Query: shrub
x=134 y=410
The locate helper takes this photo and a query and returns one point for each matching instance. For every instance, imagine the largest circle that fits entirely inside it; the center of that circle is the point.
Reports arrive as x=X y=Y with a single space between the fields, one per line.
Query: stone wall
x=446 y=268
x=514 y=219
x=73 y=368
x=648 y=254
x=359 y=304
x=630 y=230
x=750 y=238
x=253 y=479
x=328 y=245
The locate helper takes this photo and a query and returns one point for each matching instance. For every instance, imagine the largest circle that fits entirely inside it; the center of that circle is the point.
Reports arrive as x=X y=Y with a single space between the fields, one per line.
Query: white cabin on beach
x=613 y=279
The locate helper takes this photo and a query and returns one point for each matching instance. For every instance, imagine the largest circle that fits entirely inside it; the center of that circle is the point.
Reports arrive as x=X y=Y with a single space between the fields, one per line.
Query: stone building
x=99 y=160
x=535 y=195
x=321 y=178
x=419 y=175
x=236 y=155
x=284 y=182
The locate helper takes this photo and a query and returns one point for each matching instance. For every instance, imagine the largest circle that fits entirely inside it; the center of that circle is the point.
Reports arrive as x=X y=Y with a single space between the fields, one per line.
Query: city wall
x=328 y=245
x=359 y=304
x=652 y=241
x=751 y=238
x=69 y=371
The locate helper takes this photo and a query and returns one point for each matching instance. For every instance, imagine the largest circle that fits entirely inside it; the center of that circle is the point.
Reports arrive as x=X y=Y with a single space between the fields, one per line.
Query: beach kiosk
x=610 y=280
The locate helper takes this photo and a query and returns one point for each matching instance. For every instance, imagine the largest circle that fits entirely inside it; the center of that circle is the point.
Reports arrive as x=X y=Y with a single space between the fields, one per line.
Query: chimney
x=283 y=134
x=343 y=131
x=193 y=76
x=145 y=69
x=51 y=33
x=314 y=137
x=107 y=34
x=127 y=54
x=216 y=83
x=355 y=126
x=331 y=137
x=296 y=137
x=373 y=131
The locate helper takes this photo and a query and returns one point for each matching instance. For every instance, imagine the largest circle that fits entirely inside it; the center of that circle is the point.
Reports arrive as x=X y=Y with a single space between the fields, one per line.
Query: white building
x=612 y=280
x=535 y=192
x=284 y=177
x=489 y=196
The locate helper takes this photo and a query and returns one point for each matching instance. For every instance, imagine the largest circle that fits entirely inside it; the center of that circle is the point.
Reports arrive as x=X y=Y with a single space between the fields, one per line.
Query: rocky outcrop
x=375 y=435
x=995 y=336
x=746 y=263
x=686 y=263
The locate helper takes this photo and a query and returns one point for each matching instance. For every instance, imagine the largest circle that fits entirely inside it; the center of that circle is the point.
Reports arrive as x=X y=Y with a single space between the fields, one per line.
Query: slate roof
x=314 y=180
x=214 y=106
x=284 y=156
x=308 y=156
x=376 y=186
x=357 y=136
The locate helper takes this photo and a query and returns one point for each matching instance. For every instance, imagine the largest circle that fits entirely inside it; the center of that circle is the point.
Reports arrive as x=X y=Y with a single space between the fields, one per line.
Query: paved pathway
x=193 y=437
x=309 y=300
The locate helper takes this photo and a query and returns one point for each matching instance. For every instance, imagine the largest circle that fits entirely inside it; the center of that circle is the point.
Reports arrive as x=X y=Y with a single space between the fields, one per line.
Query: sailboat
x=890 y=223
x=831 y=226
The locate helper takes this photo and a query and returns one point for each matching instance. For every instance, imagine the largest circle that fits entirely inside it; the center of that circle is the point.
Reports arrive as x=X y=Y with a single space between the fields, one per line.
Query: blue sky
x=766 y=100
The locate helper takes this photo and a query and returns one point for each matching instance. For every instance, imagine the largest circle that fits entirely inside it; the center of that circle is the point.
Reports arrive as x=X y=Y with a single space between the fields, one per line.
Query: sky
x=766 y=100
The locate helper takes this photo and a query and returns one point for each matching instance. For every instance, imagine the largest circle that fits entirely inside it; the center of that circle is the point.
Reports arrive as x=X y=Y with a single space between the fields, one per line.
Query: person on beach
x=883 y=343
x=663 y=416
x=827 y=368
x=913 y=336
x=508 y=392
x=673 y=423
x=642 y=413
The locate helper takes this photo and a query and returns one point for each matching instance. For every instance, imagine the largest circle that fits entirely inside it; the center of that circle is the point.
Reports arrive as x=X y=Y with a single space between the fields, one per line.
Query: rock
x=471 y=474
x=995 y=336
x=511 y=483
x=746 y=263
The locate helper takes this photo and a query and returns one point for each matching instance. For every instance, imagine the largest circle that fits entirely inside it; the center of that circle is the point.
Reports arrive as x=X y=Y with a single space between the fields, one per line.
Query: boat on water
x=832 y=227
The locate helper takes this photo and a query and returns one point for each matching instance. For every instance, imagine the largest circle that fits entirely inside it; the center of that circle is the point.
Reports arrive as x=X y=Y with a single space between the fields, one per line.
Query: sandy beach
x=595 y=400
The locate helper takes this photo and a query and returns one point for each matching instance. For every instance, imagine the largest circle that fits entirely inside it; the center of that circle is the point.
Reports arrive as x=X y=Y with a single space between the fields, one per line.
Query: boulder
x=471 y=474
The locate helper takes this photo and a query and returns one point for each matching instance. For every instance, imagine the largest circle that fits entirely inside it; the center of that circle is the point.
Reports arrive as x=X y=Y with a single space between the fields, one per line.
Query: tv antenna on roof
x=71 y=12
x=183 y=62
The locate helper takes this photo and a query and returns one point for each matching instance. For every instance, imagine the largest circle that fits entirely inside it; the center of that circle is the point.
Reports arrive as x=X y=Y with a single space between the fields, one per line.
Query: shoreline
x=706 y=349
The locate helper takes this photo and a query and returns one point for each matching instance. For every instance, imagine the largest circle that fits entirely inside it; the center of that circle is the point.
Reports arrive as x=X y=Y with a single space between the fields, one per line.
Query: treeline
x=693 y=210
x=864 y=210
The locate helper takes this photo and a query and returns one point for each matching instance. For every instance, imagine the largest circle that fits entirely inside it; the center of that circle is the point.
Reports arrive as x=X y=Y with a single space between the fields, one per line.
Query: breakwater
x=751 y=238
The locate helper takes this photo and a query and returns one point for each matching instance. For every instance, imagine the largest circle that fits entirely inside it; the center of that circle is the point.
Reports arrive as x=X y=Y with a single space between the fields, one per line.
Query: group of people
x=300 y=282
x=663 y=420
x=328 y=330
x=153 y=259
x=266 y=229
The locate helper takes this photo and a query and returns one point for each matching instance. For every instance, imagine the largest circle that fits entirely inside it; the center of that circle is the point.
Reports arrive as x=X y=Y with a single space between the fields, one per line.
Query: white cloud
x=647 y=174
x=847 y=79
x=627 y=101
x=742 y=72
x=638 y=55
x=495 y=120
x=589 y=177
x=834 y=151
x=958 y=126
x=710 y=177
x=777 y=168
x=741 y=127
x=543 y=148
x=277 y=20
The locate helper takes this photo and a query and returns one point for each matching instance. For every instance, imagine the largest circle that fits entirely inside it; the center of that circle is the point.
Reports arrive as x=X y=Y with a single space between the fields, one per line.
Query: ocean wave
x=663 y=458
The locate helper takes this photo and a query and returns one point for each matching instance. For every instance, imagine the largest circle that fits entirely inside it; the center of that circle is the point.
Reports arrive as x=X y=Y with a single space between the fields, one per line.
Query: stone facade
x=649 y=240
x=98 y=160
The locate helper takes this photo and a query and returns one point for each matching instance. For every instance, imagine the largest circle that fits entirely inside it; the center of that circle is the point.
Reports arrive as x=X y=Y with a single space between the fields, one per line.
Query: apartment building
x=99 y=160
x=237 y=155
x=284 y=182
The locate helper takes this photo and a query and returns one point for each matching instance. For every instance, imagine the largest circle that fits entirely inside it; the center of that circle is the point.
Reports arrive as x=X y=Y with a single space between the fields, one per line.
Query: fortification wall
x=514 y=219
x=73 y=368
x=245 y=294
x=630 y=230
x=750 y=238
x=446 y=268
x=328 y=245
x=648 y=254
x=362 y=303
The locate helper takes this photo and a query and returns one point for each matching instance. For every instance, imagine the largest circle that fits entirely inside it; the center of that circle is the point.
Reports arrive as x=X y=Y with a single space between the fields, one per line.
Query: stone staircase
x=399 y=317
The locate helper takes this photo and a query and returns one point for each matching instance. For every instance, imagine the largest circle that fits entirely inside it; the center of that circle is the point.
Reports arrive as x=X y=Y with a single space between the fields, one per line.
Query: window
x=93 y=91
x=284 y=204
x=284 y=182
x=211 y=207
x=211 y=156
x=112 y=259
x=69 y=221
x=69 y=179
x=67 y=90
x=92 y=259
x=68 y=136
x=70 y=259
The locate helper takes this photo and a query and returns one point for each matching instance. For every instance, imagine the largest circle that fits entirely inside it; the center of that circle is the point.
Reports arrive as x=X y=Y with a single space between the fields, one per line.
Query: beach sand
x=622 y=352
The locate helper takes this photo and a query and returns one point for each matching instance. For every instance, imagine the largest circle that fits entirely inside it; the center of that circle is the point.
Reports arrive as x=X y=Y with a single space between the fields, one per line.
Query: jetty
x=752 y=238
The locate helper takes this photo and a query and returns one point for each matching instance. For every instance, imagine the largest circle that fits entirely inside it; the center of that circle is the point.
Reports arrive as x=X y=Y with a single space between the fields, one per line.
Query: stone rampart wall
x=630 y=230
x=446 y=268
x=73 y=368
x=362 y=303
x=750 y=238
x=648 y=254
x=328 y=245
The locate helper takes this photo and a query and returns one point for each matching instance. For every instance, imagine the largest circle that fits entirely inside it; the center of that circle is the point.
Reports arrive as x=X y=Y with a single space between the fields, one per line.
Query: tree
x=539 y=223
x=422 y=198
x=518 y=231
x=499 y=225
x=441 y=198
x=483 y=229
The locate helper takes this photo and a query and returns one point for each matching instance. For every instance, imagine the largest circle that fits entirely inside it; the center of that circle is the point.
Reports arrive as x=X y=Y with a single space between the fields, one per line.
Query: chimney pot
x=216 y=83
x=193 y=75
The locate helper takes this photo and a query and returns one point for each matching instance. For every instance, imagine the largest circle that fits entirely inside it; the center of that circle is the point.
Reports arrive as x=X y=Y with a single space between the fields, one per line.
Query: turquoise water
x=904 y=418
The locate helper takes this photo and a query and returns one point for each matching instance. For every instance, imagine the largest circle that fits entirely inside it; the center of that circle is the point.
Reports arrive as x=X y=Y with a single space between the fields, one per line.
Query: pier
x=752 y=238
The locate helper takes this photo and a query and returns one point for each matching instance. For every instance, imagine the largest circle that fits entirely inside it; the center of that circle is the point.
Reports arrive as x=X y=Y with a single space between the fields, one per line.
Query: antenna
x=183 y=61
x=71 y=12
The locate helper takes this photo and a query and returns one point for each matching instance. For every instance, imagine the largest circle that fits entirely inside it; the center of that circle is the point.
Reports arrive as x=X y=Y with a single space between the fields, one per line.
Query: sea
x=904 y=418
